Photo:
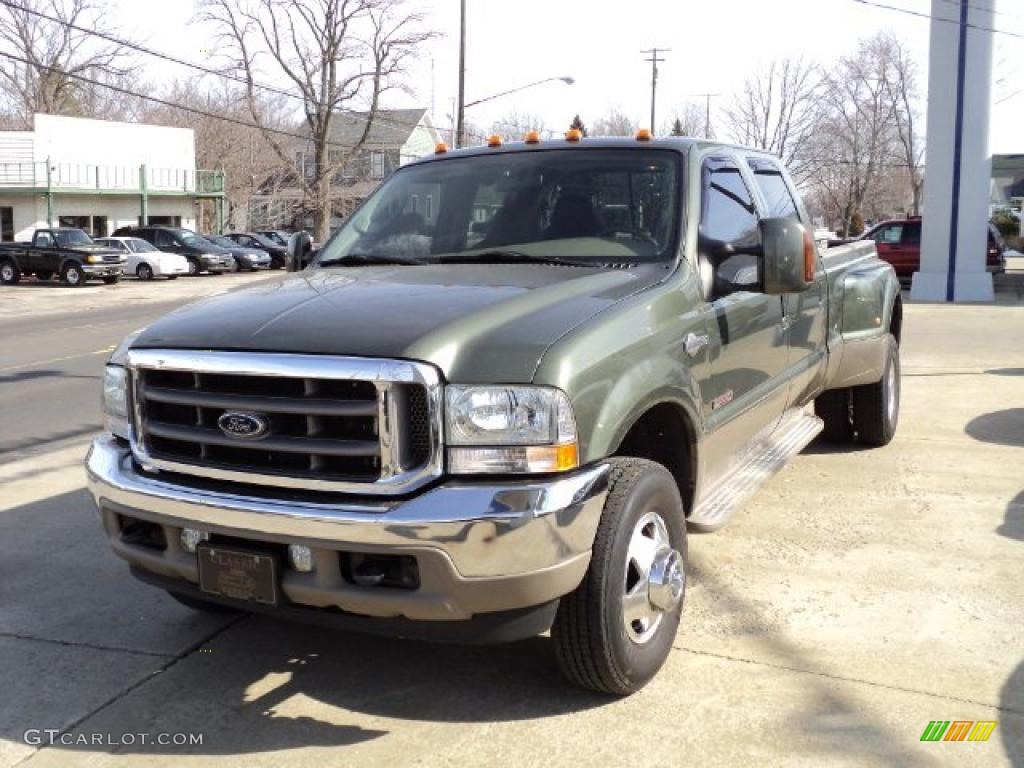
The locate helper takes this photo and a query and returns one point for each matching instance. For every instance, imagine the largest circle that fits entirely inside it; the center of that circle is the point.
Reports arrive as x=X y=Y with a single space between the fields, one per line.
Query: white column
x=958 y=165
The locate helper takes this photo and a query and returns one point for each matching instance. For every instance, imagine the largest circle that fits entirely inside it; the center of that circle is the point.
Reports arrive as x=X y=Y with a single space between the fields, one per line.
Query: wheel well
x=896 y=322
x=664 y=434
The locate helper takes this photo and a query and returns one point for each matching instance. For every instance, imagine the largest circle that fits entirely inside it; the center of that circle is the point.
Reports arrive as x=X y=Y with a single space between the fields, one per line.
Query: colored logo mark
x=958 y=730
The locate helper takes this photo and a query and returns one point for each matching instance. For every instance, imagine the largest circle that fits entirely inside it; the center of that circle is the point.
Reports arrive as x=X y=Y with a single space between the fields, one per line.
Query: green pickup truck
x=498 y=397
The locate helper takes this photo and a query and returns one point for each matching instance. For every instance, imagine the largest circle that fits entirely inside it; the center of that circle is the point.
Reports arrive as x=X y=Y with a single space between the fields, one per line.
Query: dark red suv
x=899 y=243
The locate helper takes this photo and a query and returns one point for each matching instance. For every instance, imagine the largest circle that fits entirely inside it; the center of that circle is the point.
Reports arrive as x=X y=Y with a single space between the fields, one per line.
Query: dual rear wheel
x=869 y=413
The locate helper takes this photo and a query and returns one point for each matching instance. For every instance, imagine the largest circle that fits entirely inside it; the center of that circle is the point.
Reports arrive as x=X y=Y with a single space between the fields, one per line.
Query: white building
x=100 y=175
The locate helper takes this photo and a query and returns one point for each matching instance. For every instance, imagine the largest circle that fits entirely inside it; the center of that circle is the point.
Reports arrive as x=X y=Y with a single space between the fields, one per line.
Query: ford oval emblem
x=247 y=426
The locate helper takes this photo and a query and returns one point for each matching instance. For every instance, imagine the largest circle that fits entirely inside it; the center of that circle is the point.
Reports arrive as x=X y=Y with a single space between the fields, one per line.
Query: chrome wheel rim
x=890 y=385
x=73 y=276
x=145 y=272
x=7 y=272
x=654 y=579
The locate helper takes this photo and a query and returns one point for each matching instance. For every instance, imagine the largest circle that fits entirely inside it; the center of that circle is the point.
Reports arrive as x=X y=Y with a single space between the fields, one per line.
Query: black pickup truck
x=63 y=251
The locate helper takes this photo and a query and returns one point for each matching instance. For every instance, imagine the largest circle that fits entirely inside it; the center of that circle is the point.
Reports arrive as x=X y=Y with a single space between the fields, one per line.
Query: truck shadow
x=1013 y=526
x=249 y=684
x=1004 y=427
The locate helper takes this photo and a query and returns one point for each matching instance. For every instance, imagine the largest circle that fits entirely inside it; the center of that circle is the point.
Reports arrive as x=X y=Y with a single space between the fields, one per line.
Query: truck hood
x=476 y=322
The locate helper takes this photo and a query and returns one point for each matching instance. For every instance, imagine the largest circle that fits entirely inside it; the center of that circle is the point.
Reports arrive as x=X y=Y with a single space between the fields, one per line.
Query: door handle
x=695 y=342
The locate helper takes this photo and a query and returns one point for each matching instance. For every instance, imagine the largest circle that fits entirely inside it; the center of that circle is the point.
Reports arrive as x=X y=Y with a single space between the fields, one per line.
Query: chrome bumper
x=103 y=269
x=486 y=530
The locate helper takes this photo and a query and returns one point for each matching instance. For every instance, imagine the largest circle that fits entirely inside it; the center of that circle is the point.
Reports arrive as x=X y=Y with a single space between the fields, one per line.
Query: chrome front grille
x=346 y=424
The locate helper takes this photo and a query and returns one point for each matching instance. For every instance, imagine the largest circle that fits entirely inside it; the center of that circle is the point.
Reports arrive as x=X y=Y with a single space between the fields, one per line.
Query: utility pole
x=654 y=76
x=460 y=115
x=707 y=112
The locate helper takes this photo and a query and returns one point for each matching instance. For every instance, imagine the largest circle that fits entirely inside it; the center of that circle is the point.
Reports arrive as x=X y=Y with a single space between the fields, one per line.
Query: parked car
x=201 y=254
x=278 y=236
x=899 y=243
x=255 y=240
x=144 y=260
x=249 y=259
x=482 y=432
x=63 y=251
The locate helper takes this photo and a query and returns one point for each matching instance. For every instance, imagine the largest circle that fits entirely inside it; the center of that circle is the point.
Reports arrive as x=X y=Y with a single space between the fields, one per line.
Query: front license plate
x=238 y=574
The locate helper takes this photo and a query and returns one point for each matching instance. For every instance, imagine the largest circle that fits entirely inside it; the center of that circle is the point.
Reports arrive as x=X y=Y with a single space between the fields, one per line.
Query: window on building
x=376 y=165
x=6 y=224
x=165 y=221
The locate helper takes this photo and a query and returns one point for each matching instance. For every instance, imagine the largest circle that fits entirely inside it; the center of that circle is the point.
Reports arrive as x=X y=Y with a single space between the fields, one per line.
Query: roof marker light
x=644 y=134
x=440 y=148
x=573 y=134
x=494 y=140
x=532 y=137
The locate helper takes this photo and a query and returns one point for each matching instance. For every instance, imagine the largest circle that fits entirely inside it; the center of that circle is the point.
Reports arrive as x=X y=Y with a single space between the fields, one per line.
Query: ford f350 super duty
x=496 y=399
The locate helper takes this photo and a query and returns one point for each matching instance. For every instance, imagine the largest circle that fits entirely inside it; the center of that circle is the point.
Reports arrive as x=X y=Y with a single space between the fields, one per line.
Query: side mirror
x=789 y=259
x=300 y=251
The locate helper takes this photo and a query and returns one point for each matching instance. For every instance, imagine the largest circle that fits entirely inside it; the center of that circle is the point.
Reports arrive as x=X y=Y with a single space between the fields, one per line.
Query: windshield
x=71 y=237
x=138 y=245
x=227 y=242
x=276 y=237
x=194 y=241
x=587 y=206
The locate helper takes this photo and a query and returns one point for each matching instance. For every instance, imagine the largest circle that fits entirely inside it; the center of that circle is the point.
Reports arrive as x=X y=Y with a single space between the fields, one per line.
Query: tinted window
x=778 y=199
x=163 y=239
x=912 y=233
x=890 y=234
x=729 y=214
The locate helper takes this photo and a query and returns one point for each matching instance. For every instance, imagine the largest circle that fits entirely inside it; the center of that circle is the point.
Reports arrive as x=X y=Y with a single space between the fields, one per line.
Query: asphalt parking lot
x=859 y=596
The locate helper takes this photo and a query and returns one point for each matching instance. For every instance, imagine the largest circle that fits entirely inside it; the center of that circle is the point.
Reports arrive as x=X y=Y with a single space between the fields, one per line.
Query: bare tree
x=689 y=121
x=241 y=151
x=515 y=124
x=337 y=54
x=901 y=81
x=778 y=110
x=58 y=56
x=856 y=139
x=615 y=123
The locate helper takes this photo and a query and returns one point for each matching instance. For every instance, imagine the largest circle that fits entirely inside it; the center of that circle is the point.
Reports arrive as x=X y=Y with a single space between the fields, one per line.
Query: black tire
x=876 y=407
x=9 y=273
x=112 y=279
x=833 y=407
x=172 y=277
x=196 y=604
x=144 y=272
x=235 y=266
x=193 y=267
x=44 y=275
x=73 y=275
x=593 y=645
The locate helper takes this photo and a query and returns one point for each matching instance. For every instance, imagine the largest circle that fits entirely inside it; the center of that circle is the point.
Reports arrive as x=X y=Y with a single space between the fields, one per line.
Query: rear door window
x=778 y=197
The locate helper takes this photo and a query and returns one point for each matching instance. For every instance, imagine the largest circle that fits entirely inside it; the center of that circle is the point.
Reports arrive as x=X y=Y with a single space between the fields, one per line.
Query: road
x=860 y=595
x=52 y=361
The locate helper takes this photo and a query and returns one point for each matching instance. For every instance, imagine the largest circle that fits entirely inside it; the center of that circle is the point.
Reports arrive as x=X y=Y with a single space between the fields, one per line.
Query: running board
x=765 y=457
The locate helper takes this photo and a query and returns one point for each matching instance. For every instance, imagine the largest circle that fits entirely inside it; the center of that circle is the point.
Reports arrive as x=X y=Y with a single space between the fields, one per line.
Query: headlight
x=115 y=400
x=509 y=429
x=93 y=258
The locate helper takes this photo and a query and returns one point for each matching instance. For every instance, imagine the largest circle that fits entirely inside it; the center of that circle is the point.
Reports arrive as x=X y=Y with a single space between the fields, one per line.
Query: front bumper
x=103 y=270
x=480 y=547
x=214 y=263
x=254 y=262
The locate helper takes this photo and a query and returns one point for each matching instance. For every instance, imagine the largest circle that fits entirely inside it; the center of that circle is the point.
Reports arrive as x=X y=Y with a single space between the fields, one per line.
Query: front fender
x=625 y=361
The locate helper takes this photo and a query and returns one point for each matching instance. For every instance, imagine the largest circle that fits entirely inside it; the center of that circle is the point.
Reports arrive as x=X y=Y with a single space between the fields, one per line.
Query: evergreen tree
x=677 y=127
x=578 y=125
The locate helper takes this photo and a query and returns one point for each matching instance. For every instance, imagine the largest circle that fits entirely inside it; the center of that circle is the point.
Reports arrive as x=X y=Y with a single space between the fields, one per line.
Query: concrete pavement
x=860 y=595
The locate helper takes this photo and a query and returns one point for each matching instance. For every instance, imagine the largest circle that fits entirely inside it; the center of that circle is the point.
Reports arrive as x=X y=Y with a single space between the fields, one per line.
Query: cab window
x=890 y=235
x=778 y=197
x=729 y=222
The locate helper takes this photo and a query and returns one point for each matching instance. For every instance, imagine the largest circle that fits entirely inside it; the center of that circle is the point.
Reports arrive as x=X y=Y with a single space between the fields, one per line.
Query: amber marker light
x=532 y=137
x=809 y=254
x=643 y=134
x=440 y=148
x=494 y=140
x=573 y=134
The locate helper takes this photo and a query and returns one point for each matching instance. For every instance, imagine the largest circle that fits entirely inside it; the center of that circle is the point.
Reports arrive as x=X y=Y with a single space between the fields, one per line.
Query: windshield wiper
x=507 y=257
x=361 y=261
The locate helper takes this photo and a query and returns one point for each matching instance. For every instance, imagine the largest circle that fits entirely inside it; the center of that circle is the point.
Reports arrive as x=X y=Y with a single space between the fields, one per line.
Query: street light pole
x=460 y=114
x=566 y=80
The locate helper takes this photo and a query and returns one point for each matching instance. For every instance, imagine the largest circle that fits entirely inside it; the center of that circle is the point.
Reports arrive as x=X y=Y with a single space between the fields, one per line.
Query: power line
x=163 y=102
x=922 y=15
x=993 y=11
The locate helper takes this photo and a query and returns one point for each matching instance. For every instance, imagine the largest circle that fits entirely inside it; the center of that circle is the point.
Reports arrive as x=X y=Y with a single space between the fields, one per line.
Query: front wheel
x=144 y=272
x=876 y=407
x=614 y=632
x=9 y=273
x=193 y=267
x=73 y=275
